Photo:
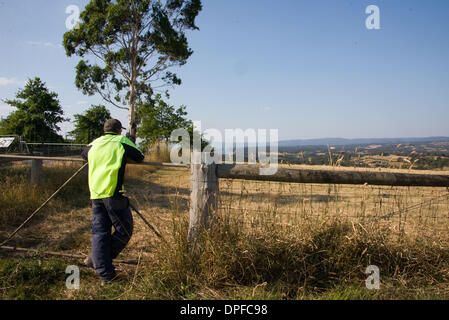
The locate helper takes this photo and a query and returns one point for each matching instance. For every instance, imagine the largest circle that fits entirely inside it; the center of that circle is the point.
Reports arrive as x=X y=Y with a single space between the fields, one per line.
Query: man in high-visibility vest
x=107 y=157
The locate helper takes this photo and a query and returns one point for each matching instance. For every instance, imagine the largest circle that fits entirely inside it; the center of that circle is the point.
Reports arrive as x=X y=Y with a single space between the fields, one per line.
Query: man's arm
x=85 y=152
x=132 y=152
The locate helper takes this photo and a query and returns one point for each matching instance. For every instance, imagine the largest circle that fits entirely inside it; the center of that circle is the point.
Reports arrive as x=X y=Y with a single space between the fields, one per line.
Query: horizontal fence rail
x=56 y=144
x=19 y=157
x=252 y=172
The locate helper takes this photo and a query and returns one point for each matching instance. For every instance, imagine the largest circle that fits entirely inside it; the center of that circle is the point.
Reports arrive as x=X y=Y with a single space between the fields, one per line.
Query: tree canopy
x=38 y=114
x=89 y=125
x=157 y=119
x=134 y=44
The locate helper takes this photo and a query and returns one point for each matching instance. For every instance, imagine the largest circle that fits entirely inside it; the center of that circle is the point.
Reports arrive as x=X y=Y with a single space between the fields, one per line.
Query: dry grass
x=417 y=211
x=363 y=169
x=158 y=152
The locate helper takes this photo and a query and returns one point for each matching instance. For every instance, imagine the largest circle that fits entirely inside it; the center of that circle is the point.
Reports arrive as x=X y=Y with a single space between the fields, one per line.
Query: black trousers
x=106 y=246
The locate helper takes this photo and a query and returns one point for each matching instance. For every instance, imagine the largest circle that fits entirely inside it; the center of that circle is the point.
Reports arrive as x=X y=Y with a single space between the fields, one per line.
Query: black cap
x=112 y=125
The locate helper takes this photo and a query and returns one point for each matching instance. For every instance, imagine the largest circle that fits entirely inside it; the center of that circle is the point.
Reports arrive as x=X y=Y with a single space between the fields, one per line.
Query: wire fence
x=55 y=149
x=163 y=196
x=13 y=144
x=411 y=210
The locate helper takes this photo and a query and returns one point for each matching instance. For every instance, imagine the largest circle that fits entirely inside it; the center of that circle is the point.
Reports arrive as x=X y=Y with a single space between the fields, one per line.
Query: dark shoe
x=110 y=280
x=88 y=262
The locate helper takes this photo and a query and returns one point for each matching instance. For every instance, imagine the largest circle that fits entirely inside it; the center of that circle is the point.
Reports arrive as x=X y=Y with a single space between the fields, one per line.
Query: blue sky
x=309 y=68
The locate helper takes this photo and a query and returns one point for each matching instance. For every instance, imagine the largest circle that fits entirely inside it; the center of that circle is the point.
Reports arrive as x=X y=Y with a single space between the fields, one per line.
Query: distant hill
x=342 y=141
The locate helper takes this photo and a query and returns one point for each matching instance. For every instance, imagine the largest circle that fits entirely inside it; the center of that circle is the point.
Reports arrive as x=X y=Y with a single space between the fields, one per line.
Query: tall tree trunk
x=131 y=132
x=132 y=126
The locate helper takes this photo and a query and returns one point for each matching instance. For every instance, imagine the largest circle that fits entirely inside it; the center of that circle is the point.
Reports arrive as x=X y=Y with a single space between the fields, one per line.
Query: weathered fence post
x=20 y=144
x=203 y=197
x=36 y=171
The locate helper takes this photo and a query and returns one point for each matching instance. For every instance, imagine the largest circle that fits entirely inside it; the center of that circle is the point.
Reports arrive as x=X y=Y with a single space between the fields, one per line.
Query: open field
x=424 y=155
x=269 y=240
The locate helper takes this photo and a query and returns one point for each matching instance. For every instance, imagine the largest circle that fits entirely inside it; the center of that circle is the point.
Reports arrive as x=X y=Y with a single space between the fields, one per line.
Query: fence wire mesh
x=257 y=204
x=55 y=149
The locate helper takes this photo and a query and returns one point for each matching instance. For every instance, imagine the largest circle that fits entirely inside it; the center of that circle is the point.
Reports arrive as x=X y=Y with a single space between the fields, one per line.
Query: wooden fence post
x=20 y=144
x=203 y=197
x=36 y=171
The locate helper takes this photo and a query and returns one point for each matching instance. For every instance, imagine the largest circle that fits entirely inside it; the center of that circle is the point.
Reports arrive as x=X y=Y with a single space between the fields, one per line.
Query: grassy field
x=269 y=240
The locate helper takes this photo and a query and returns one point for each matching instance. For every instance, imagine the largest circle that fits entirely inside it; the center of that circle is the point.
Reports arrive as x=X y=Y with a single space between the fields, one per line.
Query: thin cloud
x=81 y=102
x=44 y=44
x=10 y=81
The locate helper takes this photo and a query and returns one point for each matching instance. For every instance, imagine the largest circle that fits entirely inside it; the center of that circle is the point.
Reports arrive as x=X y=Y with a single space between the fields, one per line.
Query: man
x=107 y=157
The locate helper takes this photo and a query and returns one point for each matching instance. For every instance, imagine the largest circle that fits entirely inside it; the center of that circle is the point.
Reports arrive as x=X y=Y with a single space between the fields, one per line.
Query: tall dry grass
x=158 y=152
x=18 y=197
x=295 y=265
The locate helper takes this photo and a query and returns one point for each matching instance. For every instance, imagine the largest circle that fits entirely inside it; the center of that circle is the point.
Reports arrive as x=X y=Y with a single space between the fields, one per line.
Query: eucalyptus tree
x=128 y=49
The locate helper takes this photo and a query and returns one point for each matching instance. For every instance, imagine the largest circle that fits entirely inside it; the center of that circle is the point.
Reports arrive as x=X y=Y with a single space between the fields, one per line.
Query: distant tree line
x=39 y=114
